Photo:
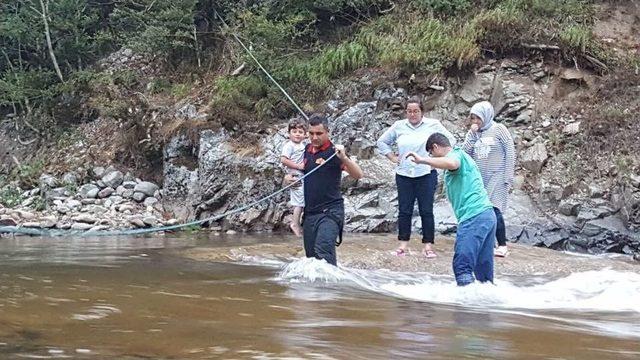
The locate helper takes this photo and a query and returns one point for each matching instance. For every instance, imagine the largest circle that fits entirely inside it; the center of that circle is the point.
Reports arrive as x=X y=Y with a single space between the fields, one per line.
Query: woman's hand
x=474 y=127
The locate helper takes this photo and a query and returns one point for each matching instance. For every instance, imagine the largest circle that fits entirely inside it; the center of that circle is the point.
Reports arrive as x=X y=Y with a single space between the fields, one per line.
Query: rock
x=96 y=210
x=130 y=184
x=138 y=196
x=88 y=201
x=63 y=225
x=7 y=221
x=27 y=202
x=524 y=117
x=150 y=201
x=98 y=172
x=609 y=223
x=31 y=225
x=571 y=129
x=81 y=226
x=147 y=188
x=127 y=194
x=635 y=180
x=534 y=158
x=63 y=209
x=47 y=181
x=150 y=220
x=59 y=192
x=590 y=213
x=48 y=222
x=188 y=111
x=106 y=192
x=128 y=177
x=25 y=215
x=137 y=222
x=74 y=204
x=85 y=218
x=113 y=179
x=88 y=191
x=595 y=191
x=231 y=232
x=171 y=222
x=569 y=207
x=477 y=88
x=70 y=179
x=125 y=207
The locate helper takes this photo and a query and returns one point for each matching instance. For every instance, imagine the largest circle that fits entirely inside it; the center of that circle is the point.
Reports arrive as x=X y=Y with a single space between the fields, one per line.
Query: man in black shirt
x=324 y=206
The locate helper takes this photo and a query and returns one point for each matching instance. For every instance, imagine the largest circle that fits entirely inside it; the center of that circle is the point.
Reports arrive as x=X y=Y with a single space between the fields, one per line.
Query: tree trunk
x=45 y=10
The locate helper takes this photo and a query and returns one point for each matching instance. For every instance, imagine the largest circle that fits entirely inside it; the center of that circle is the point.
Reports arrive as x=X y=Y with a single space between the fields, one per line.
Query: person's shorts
x=296 y=196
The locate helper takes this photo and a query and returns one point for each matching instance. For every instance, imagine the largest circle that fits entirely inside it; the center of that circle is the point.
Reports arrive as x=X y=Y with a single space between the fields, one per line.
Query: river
x=141 y=298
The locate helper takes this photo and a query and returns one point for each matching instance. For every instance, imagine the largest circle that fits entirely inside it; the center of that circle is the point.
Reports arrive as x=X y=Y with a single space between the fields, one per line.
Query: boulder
x=113 y=179
x=88 y=191
x=147 y=188
x=534 y=158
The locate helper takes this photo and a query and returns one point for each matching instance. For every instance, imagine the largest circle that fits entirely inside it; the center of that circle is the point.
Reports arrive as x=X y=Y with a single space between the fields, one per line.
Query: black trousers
x=423 y=189
x=320 y=232
x=501 y=232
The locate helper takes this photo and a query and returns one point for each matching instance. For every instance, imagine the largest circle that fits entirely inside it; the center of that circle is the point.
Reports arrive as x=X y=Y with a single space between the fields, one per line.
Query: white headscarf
x=484 y=110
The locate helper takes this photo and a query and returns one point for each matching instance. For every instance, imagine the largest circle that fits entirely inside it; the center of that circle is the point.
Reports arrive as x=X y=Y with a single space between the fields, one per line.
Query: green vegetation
x=304 y=44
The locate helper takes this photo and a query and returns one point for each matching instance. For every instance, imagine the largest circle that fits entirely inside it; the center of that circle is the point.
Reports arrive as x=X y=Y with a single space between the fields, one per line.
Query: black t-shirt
x=322 y=188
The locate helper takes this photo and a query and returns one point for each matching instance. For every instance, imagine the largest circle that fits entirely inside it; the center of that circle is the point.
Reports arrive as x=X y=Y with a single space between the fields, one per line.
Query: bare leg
x=295 y=222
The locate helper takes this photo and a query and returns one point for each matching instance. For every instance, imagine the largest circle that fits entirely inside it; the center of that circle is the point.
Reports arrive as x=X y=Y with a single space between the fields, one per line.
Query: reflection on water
x=131 y=298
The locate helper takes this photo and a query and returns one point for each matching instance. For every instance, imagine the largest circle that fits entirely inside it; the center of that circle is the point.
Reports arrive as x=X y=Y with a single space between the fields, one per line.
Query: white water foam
x=603 y=290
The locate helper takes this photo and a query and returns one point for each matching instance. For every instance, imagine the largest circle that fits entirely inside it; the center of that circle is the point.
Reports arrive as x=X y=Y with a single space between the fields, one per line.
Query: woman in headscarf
x=491 y=146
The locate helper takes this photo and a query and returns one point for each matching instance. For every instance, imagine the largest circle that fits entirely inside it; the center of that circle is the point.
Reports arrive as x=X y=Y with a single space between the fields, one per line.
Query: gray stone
x=63 y=209
x=7 y=221
x=595 y=191
x=31 y=224
x=534 y=158
x=98 y=172
x=150 y=201
x=589 y=213
x=138 y=196
x=62 y=225
x=88 y=201
x=128 y=177
x=137 y=222
x=635 y=180
x=106 y=192
x=73 y=204
x=88 y=191
x=477 y=88
x=59 y=192
x=571 y=129
x=524 y=117
x=85 y=218
x=147 y=188
x=150 y=221
x=81 y=226
x=113 y=179
x=188 y=111
x=130 y=184
x=569 y=207
x=47 y=181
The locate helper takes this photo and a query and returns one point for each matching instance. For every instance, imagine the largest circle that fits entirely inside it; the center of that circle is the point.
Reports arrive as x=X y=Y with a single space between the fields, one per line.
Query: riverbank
x=368 y=251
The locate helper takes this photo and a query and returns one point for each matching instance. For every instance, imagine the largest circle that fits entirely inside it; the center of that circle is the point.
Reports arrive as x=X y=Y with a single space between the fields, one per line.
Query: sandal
x=501 y=251
x=400 y=252
x=429 y=254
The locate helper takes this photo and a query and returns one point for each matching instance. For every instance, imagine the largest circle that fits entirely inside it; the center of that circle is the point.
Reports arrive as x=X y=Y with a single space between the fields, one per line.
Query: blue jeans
x=474 y=249
x=320 y=232
x=422 y=188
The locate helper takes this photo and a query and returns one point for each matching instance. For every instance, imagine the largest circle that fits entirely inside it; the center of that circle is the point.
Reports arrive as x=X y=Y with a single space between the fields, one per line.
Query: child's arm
x=446 y=163
x=291 y=164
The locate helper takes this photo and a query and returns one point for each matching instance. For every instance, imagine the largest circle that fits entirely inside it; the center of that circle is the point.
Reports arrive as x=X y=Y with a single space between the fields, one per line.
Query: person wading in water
x=324 y=206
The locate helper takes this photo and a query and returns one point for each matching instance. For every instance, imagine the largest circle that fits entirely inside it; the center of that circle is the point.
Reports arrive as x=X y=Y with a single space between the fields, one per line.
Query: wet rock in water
x=31 y=224
x=88 y=191
x=113 y=179
x=106 y=192
x=147 y=188
x=63 y=225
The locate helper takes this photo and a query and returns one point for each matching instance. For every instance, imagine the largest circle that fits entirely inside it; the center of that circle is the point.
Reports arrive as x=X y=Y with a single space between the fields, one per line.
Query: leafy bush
x=10 y=196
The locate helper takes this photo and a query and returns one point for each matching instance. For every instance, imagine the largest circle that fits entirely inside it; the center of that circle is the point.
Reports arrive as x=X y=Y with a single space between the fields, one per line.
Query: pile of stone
x=109 y=200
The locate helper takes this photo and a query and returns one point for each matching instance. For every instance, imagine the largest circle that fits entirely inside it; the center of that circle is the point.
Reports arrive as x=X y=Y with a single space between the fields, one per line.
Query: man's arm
x=350 y=166
x=446 y=163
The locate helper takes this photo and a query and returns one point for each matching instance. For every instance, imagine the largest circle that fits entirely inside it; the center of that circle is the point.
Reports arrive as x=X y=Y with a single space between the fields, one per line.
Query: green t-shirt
x=464 y=187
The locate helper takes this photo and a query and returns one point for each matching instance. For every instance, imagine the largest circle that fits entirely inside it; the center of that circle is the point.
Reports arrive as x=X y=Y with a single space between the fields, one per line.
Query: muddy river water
x=199 y=296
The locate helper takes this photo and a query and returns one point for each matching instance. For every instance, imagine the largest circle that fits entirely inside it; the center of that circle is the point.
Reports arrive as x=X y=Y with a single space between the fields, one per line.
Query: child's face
x=297 y=135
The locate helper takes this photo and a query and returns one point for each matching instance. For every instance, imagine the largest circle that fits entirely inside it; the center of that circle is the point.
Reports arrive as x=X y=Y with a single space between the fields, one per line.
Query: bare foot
x=296 y=229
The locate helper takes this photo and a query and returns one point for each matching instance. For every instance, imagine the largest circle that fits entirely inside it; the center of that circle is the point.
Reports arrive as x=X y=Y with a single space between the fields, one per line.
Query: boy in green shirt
x=473 y=252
